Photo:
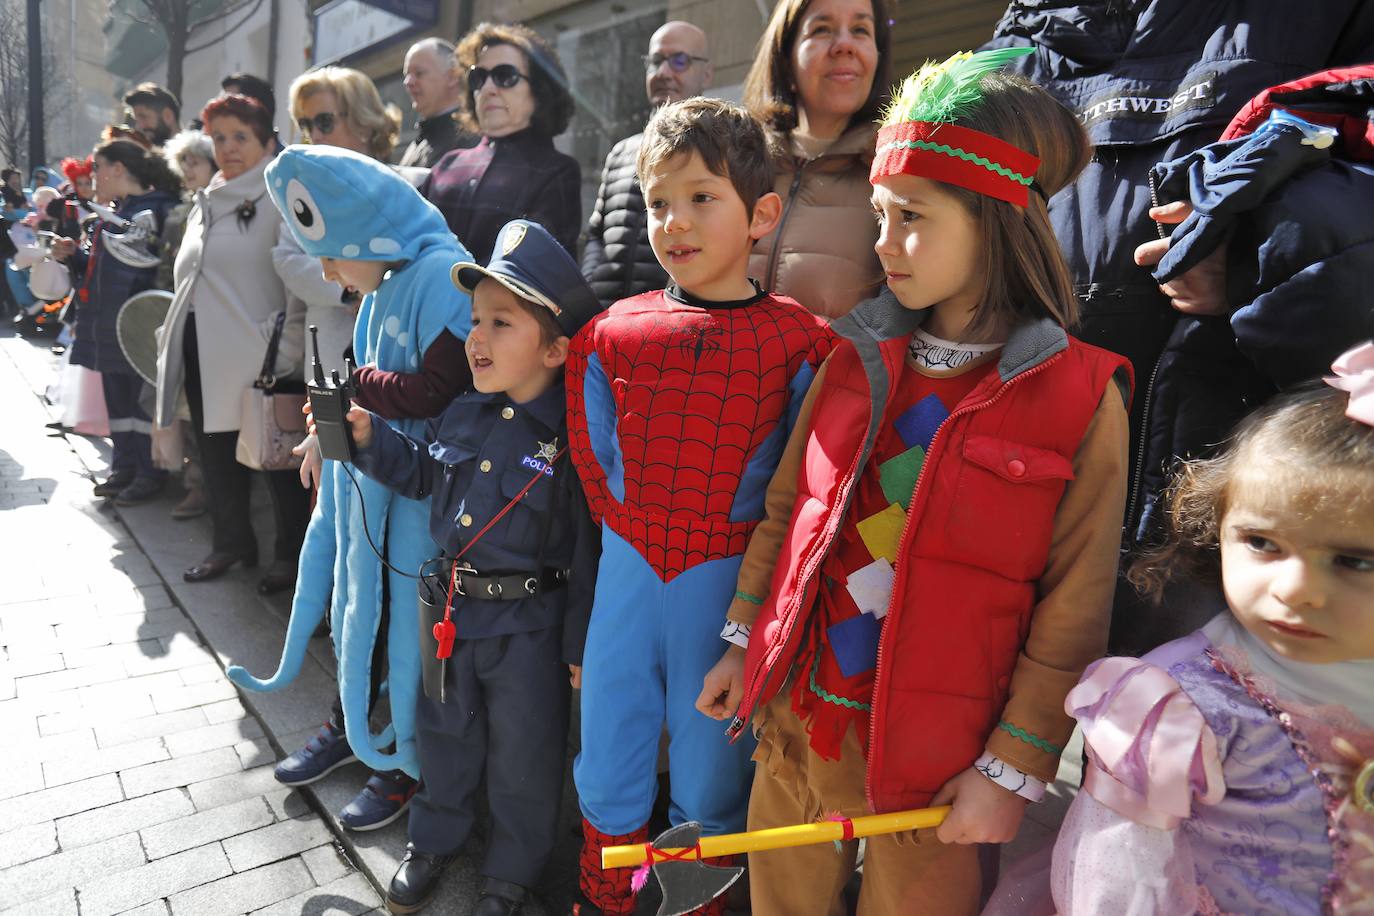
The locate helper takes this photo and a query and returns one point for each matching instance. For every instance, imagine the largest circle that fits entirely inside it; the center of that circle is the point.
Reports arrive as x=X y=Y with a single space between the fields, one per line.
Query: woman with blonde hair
x=335 y=106
x=340 y=106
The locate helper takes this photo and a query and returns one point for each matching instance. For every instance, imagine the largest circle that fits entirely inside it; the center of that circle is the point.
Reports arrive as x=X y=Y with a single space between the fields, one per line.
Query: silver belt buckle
x=458 y=570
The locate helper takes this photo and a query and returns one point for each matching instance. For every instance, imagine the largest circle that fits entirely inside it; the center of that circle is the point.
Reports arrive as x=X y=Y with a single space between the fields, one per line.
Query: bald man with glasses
x=618 y=261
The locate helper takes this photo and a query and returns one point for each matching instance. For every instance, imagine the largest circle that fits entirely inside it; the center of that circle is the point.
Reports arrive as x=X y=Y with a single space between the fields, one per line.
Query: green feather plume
x=943 y=92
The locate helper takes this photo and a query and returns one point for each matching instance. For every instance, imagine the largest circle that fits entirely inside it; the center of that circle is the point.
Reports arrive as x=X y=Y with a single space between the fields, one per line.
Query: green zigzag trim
x=1030 y=739
x=829 y=697
x=961 y=154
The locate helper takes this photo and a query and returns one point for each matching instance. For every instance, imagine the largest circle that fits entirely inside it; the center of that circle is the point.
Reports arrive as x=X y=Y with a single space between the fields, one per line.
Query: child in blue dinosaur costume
x=373 y=233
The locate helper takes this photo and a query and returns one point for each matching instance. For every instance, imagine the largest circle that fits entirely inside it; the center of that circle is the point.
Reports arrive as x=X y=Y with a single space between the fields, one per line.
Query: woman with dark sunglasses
x=517 y=99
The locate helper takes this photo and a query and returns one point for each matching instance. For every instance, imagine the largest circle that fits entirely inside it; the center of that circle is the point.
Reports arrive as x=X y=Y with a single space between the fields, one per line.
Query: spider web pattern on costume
x=696 y=391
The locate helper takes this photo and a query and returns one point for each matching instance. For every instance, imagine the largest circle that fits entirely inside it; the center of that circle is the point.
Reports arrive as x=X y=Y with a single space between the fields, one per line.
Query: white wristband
x=737 y=634
x=1009 y=777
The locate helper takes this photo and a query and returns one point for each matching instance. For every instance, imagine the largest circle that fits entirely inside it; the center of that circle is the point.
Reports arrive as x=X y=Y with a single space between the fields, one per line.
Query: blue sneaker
x=385 y=798
x=322 y=755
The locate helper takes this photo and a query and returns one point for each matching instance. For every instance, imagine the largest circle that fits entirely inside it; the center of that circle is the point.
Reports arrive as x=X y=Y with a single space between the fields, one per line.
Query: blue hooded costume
x=339 y=204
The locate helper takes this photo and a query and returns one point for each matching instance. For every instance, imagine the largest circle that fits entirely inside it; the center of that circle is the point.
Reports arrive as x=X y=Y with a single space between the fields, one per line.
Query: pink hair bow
x=1355 y=373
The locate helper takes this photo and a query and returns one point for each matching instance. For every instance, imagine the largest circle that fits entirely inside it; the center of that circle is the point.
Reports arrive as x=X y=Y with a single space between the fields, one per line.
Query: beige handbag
x=271 y=422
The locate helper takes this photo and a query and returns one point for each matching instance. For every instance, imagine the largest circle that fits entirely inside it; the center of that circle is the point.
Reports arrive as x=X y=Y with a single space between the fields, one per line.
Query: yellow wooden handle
x=783 y=837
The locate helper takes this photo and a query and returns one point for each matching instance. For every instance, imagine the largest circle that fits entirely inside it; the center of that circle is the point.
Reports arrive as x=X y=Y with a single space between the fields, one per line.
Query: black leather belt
x=507 y=586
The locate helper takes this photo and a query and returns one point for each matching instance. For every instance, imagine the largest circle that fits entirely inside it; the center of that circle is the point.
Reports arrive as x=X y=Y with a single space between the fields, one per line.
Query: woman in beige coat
x=817 y=83
x=228 y=293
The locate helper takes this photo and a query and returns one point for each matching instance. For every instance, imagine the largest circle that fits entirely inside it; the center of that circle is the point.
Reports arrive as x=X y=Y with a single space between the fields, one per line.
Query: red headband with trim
x=955 y=155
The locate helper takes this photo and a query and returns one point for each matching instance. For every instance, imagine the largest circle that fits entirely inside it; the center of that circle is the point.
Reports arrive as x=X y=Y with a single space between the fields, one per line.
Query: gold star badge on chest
x=548 y=451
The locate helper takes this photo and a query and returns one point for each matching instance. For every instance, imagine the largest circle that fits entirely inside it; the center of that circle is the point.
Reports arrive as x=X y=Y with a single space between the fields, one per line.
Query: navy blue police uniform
x=524 y=593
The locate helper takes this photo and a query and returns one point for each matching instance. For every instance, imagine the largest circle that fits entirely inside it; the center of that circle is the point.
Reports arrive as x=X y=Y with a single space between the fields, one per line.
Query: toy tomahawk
x=688 y=882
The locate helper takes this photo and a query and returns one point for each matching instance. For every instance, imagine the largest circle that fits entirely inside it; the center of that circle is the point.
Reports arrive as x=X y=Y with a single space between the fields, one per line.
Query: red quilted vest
x=976 y=541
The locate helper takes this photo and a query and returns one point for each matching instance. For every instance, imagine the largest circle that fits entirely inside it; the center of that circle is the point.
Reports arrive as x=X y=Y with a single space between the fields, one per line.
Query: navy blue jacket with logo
x=477 y=456
x=1153 y=80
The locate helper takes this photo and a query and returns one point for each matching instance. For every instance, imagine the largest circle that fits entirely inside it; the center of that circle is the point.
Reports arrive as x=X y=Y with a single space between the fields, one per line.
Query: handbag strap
x=267 y=376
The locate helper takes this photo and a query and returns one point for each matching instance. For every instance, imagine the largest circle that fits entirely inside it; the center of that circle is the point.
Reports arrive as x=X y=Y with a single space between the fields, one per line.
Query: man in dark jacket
x=618 y=261
x=1153 y=80
x=436 y=90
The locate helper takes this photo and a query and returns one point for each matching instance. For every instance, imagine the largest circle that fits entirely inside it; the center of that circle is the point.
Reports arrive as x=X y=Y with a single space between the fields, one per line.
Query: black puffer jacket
x=618 y=261
x=1153 y=80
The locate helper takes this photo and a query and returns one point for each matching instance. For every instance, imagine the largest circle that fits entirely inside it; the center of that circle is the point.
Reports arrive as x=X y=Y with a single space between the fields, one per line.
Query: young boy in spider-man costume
x=679 y=403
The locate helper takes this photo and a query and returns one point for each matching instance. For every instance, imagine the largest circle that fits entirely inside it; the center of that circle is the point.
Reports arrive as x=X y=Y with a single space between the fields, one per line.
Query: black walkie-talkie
x=329 y=403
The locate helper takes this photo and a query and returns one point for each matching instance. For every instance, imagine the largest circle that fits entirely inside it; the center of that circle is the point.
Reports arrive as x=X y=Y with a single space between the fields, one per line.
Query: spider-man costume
x=678 y=411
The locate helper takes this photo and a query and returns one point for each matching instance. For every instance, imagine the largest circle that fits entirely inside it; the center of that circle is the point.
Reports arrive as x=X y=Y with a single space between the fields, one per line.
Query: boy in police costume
x=504 y=496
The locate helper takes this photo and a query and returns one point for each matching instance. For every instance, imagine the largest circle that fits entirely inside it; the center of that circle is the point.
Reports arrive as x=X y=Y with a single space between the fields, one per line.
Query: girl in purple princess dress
x=1232 y=771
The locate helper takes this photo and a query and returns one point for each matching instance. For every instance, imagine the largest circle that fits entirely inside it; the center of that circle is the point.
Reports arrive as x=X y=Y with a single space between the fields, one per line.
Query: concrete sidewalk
x=71 y=565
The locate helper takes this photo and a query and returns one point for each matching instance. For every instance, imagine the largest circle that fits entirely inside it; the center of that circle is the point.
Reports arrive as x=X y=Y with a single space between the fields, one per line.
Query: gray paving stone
x=72 y=798
x=25 y=843
x=127 y=757
x=200 y=674
x=22 y=777
x=287 y=803
x=209 y=737
x=70 y=679
x=181 y=771
x=62 y=903
x=282 y=839
x=250 y=890
x=131 y=688
x=255 y=753
x=94 y=655
x=212 y=793
x=153 y=881
x=97 y=712
x=347 y=896
x=36 y=664
x=206 y=827
x=224 y=711
x=124 y=817
x=149 y=727
x=156 y=908
x=194 y=695
x=325 y=864
x=38 y=750
x=51 y=874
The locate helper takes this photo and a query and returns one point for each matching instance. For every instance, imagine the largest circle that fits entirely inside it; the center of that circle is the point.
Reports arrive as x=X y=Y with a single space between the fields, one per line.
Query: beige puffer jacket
x=821 y=254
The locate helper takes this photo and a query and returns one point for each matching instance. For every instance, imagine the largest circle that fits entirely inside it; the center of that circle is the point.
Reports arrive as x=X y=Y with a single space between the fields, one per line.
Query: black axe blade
x=690 y=883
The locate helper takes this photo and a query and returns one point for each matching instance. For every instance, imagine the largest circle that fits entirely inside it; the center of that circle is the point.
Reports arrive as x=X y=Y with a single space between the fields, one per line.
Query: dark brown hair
x=1024 y=272
x=549 y=330
x=1302 y=438
x=553 y=104
x=155 y=97
x=147 y=168
x=770 y=91
x=728 y=139
x=247 y=109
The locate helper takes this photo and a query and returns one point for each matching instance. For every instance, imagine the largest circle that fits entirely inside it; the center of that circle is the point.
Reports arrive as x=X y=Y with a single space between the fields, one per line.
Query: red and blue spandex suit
x=678 y=411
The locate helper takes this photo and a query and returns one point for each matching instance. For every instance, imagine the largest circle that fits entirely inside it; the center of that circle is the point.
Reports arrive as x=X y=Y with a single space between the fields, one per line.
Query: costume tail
x=314 y=580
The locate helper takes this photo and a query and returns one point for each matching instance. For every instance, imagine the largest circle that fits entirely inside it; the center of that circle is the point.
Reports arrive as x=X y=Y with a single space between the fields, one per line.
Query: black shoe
x=416 y=880
x=216 y=565
x=280 y=576
x=113 y=484
x=140 y=491
x=499 y=898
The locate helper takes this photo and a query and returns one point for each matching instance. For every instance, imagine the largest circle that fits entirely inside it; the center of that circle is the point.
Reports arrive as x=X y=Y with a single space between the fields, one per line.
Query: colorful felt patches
x=871 y=588
x=855 y=643
x=898 y=475
x=918 y=424
x=881 y=532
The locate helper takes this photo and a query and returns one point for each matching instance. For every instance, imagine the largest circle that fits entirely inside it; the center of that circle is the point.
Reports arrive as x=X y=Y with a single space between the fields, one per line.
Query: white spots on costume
x=350 y=250
x=392 y=326
x=384 y=246
x=403 y=339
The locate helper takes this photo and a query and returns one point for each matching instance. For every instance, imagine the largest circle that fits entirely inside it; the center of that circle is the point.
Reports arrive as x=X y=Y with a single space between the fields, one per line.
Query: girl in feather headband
x=937 y=564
